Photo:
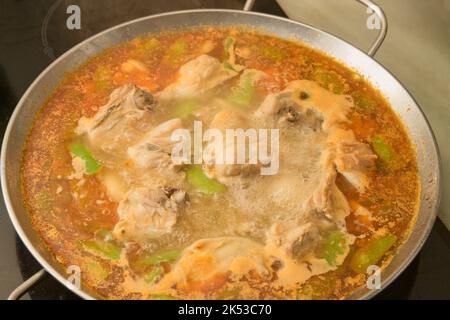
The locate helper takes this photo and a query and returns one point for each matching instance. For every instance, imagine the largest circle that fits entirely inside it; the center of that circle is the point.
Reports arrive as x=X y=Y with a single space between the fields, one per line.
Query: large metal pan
x=401 y=101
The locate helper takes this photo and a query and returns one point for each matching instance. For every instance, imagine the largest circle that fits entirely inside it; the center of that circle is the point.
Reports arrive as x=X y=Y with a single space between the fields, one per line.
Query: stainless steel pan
x=402 y=102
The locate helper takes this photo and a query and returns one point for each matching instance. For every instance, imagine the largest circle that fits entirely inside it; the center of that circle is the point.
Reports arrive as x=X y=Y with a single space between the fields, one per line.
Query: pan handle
x=26 y=285
x=369 y=4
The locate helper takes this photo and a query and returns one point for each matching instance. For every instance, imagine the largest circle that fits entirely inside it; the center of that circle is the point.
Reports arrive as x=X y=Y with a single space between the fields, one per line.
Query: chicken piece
x=229 y=119
x=304 y=101
x=279 y=104
x=294 y=240
x=333 y=108
x=148 y=213
x=117 y=122
x=354 y=160
x=284 y=109
x=361 y=220
x=197 y=77
x=215 y=158
x=210 y=258
x=154 y=149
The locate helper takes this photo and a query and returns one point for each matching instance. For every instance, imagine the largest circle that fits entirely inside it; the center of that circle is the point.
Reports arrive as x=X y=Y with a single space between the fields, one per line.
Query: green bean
x=228 y=43
x=176 y=51
x=386 y=154
x=334 y=246
x=149 y=46
x=242 y=95
x=157 y=258
x=79 y=150
x=228 y=66
x=365 y=102
x=382 y=149
x=329 y=80
x=371 y=253
x=103 y=248
x=197 y=178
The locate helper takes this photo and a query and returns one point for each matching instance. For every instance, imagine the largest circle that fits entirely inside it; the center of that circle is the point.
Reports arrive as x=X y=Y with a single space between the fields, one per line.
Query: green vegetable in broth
x=149 y=46
x=103 y=79
x=229 y=66
x=103 y=234
x=242 y=95
x=229 y=294
x=230 y=61
x=157 y=258
x=102 y=248
x=96 y=270
x=371 y=253
x=334 y=246
x=185 y=108
x=153 y=275
x=228 y=43
x=197 y=178
x=329 y=80
x=271 y=52
x=382 y=149
x=386 y=154
x=80 y=150
x=176 y=51
x=364 y=101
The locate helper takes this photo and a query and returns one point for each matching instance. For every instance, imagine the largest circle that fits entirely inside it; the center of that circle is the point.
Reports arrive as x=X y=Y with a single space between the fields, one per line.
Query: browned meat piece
x=148 y=212
x=119 y=121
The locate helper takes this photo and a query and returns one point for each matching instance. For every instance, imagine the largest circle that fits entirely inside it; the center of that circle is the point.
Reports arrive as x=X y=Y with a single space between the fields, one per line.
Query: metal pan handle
x=27 y=285
x=369 y=4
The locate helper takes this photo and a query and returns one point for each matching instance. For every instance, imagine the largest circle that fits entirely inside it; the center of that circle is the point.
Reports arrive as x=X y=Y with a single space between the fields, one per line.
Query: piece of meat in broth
x=284 y=110
x=354 y=160
x=197 y=77
x=154 y=149
x=148 y=213
x=295 y=240
x=306 y=102
x=216 y=258
x=223 y=120
x=279 y=106
x=119 y=121
x=323 y=207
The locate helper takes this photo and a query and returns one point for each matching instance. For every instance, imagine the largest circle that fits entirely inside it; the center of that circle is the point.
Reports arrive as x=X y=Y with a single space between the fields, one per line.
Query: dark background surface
x=33 y=32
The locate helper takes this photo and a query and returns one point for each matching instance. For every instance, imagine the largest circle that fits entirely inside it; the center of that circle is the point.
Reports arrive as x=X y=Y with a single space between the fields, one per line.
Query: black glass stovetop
x=32 y=33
